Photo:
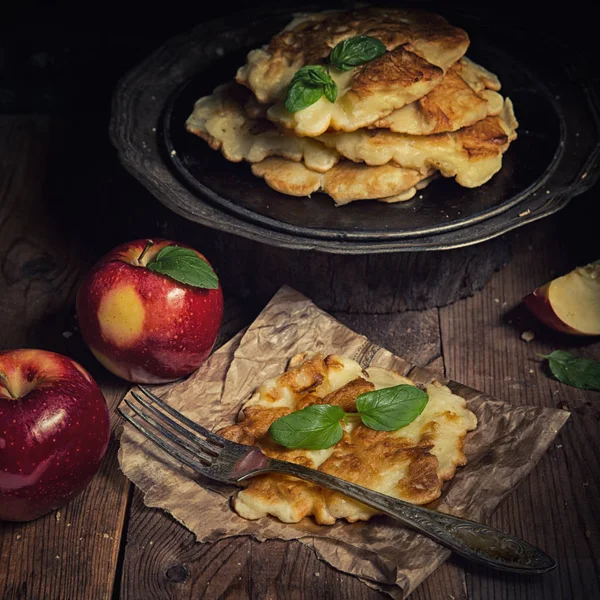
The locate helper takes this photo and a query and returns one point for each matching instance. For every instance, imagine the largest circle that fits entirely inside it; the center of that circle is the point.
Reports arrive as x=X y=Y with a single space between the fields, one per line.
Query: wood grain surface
x=557 y=507
x=102 y=547
x=72 y=552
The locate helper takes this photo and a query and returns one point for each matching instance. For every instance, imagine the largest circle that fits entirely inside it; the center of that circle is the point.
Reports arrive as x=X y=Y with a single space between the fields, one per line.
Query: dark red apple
x=54 y=431
x=147 y=326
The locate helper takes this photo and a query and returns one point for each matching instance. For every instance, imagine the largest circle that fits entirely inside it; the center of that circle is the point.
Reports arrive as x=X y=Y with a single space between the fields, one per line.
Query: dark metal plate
x=443 y=206
x=554 y=158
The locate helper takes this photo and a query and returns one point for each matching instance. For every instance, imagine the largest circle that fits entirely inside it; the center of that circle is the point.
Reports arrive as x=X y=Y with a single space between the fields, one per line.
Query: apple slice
x=570 y=303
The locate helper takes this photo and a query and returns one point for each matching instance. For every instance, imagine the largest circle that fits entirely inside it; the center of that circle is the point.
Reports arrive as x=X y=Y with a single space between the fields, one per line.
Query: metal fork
x=213 y=456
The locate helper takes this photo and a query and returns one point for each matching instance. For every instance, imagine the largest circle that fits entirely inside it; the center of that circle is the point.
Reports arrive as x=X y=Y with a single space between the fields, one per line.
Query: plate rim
x=173 y=158
x=135 y=140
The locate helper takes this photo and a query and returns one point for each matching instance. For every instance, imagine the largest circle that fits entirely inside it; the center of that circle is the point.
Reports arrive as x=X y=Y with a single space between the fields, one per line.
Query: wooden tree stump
x=372 y=283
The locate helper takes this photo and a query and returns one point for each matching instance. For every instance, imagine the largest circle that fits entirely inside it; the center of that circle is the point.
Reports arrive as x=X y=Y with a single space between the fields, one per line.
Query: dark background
x=64 y=59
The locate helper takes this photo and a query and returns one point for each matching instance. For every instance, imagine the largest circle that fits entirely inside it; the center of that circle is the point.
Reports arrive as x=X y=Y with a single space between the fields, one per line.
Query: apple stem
x=149 y=245
x=4 y=382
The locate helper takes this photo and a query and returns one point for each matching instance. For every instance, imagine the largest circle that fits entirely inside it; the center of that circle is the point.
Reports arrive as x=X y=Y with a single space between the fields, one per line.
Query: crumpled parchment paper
x=506 y=445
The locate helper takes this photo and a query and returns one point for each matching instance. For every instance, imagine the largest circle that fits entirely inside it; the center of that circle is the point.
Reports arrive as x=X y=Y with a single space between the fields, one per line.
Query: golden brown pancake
x=420 y=46
x=411 y=463
x=221 y=120
x=471 y=155
x=419 y=109
x=466 y=94
x=345 y=182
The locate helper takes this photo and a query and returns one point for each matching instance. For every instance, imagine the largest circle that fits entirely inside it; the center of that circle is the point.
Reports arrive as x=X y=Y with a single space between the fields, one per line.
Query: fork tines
x=195 y=451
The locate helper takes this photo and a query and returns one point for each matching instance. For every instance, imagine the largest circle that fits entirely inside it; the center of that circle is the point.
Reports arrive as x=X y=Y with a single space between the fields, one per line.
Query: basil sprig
x=313 y=81
x=583 y=373
x=317 y=427
x=185 y=266
x=391 y=408
x=308 y=85
x=355 y=51
x=314 y=427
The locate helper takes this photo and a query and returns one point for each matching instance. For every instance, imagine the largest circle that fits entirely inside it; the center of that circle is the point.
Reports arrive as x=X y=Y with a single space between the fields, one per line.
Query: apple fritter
x=222 y=121
x=411 y=463
x=345 y=182
x=420 y=46
x=471 y=155
x=468 y=93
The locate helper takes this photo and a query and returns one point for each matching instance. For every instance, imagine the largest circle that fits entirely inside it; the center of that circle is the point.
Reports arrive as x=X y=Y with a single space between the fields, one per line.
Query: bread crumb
x=497 y=300
x=531 y=371
x=525 y=213
x=105 y=536
x=317 y=574
x=57 y=557
x=527 y=336
x=19 y=536
x=57 y=515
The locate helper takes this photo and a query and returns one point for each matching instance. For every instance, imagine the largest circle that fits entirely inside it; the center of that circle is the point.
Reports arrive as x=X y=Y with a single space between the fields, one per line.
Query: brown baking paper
x=506 y=445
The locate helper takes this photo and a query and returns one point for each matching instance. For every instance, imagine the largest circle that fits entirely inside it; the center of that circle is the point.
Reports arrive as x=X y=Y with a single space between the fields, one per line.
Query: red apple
x=570 y=303
x=146 y=326
x=54 y=431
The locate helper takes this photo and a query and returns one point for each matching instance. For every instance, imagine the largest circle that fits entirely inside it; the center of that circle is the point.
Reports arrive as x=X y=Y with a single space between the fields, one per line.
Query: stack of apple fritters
x=361 y=104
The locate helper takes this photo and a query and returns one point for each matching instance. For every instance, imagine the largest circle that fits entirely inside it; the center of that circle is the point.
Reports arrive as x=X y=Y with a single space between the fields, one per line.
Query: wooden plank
x=162 y=559
x=71 y=553
x=557 y=506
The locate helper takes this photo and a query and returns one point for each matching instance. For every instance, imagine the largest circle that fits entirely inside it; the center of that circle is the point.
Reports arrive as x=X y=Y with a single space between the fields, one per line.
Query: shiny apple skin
x=144 y=326
x=538 y=302
x=53 y=438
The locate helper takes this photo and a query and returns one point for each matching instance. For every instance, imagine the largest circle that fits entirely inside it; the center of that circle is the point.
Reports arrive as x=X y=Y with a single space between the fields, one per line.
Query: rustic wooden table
x=61 y=208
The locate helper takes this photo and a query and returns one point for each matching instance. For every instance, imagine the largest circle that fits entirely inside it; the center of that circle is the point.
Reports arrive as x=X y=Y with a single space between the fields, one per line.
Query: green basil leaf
x=331 y=91
x=307 y=86
x=315 y=427
x=301 y=96
x=583 y=373
x=185 y=266
x=391 y=408
x=356 y=51
x=314 y=74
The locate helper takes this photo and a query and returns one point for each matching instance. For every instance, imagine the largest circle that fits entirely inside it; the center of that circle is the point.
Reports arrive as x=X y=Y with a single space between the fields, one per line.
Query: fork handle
x=475 y=541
